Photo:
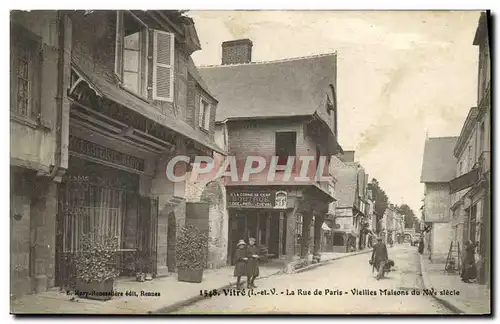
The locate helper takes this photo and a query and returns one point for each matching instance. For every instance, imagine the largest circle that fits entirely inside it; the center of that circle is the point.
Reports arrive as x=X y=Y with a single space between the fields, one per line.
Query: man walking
x=379 y=257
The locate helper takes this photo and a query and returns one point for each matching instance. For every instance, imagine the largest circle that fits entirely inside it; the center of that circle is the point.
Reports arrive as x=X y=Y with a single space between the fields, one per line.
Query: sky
x=401 y=76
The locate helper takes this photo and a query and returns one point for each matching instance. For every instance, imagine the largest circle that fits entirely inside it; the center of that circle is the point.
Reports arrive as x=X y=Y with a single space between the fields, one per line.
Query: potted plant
x=96 y=266
x=191 y=252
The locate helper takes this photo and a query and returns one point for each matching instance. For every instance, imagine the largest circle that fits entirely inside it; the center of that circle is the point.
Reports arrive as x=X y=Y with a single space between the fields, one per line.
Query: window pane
x=207 y=116
x=131 y=60
x=131 y=81
x=202 y=114
x=133 y=41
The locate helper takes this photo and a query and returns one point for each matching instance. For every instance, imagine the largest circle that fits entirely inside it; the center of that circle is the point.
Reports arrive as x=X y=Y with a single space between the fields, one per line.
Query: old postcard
x=250 y=162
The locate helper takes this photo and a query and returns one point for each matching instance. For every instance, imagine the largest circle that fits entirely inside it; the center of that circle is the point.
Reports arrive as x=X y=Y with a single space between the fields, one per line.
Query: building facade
x=101 y=101
x=471 y=193
x=350 y=225
x=264 y=115
x=438 y=169
x=399 y=228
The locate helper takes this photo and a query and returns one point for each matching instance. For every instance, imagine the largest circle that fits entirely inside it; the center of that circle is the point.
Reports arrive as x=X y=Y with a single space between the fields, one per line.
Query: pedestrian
x=379 y=257
x=240 y=269
x=421 y=246
x=252 y=263
x=469 y=271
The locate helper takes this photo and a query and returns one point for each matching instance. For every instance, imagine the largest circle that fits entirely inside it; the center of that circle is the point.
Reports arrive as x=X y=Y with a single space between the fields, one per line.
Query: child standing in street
x=253 y=263
x=240 y=268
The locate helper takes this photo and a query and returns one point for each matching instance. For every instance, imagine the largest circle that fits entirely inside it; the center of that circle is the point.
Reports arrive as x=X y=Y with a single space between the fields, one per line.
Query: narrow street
x=342 y=275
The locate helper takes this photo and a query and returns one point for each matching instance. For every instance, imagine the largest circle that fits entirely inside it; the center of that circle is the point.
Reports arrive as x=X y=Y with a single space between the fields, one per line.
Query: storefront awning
x=464 y=181
x=325 y=227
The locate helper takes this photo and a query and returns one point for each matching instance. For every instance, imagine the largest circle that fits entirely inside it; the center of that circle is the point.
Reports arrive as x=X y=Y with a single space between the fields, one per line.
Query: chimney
x=348 y=156
x=237 y=51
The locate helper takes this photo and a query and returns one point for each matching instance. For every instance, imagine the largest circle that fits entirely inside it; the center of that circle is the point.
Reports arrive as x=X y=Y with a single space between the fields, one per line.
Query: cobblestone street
x=342 y=275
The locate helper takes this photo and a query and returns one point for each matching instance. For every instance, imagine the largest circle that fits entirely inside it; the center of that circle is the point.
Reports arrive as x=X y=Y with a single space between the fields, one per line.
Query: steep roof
x=292 y=87
x=345 y=187
x=439 y=164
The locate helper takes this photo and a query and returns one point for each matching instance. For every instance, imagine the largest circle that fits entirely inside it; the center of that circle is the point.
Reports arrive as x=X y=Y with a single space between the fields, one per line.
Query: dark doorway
x=171 y=239
x=274 y=239
x=236 y=233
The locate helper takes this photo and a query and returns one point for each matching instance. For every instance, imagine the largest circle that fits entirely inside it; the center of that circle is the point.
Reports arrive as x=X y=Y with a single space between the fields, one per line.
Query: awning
x=325 y=227
x=122 y=97
x=464 y=181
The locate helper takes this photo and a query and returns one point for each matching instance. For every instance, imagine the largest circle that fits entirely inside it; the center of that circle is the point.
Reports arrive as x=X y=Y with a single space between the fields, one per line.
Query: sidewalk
x=472 y=299
x=173 y=293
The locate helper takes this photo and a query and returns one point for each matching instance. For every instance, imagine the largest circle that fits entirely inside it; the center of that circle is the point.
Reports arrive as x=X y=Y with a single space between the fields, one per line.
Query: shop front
x=344 y=233
x=261 y=214
x=100 y=199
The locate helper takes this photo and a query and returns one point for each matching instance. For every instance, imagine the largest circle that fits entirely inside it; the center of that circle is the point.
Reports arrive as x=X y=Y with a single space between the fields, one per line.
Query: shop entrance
x=263 y=225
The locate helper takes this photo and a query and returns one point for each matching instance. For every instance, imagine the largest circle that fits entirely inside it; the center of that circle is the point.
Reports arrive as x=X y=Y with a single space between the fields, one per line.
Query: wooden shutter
x=119 y=46
x=163 y=66
x=201 y=113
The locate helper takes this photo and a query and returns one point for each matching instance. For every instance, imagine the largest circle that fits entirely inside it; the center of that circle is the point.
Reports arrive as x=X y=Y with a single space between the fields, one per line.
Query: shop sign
x=343 y=223
x=343 y=212
x=258 y=199
x=97 y=151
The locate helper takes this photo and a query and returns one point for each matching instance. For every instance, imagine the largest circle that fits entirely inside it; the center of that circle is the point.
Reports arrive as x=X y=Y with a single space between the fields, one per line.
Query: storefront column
x=318 y=222
x=280 y=235
x=306 y=234
x=162 y=188
x=290 y=234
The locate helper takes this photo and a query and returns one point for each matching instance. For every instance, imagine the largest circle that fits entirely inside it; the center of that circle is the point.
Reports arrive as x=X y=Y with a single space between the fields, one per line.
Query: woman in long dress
x=469 y=270
x=421 y=246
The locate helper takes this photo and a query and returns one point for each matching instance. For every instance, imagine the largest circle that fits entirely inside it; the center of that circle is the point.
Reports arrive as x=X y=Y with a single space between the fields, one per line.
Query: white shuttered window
x=163 y=66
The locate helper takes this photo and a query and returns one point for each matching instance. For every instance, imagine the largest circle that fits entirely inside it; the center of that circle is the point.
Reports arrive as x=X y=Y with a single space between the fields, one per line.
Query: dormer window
x=204 y=116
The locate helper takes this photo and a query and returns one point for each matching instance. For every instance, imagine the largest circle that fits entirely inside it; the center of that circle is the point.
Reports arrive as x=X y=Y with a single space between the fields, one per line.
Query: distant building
x=349 y=233
x=438 y=169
